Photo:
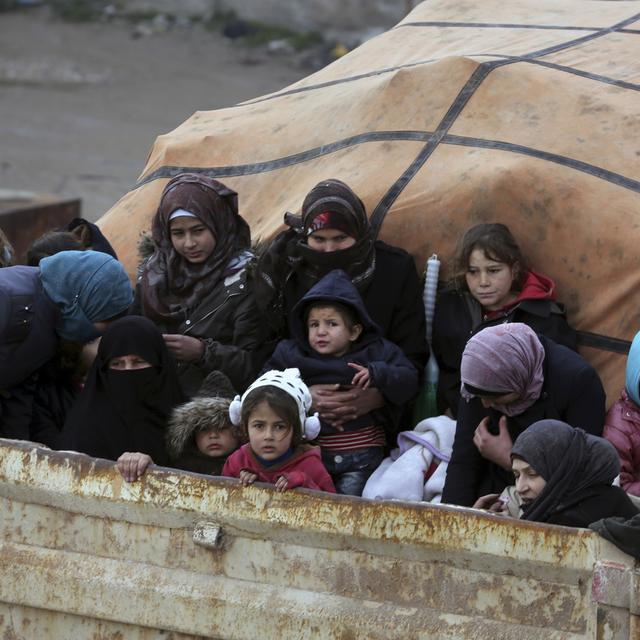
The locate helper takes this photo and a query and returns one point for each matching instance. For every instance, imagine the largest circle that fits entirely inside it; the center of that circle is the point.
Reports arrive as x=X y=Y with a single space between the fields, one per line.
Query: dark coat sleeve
x=451 y=330
x=394 y=375
x=52 y=401
x=467 y=467
x=242 y=357
x=587 y=407
x=282 y=358
x=394 y=301
x=598 y=503
x=575 y=388
x=572 y=393
x=547 y=318
x=16 y=408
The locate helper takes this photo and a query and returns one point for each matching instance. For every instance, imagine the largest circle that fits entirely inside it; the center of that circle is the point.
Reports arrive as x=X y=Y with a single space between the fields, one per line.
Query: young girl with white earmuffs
x=273 y=414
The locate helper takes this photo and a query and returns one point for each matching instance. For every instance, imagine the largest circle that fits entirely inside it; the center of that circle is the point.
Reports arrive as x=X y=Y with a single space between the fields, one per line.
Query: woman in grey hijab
x=564 y=476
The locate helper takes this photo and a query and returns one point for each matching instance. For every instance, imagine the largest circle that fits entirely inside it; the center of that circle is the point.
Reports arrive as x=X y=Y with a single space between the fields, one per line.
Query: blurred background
x=87 y=85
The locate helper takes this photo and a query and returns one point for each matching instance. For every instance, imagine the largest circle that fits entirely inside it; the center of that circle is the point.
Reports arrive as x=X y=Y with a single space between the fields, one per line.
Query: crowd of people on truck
x=298 y=366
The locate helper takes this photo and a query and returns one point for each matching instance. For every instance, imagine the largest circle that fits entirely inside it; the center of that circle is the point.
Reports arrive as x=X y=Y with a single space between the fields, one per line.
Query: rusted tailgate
x=86 y=555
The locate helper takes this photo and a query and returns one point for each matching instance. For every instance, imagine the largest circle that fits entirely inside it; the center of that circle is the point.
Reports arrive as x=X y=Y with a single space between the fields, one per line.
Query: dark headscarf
x=331 y=204
x=332 y=200
x=170 y=285
x=120 y=411
x=570 y=461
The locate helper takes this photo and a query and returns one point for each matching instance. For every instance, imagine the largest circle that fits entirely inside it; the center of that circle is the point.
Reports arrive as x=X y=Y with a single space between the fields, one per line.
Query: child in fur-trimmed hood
x=199 y=436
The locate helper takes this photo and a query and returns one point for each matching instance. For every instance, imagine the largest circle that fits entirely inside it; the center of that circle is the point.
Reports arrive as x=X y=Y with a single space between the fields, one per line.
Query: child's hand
x=362 y=378
x=133 y=465
x=247 y=478
x=282 y=483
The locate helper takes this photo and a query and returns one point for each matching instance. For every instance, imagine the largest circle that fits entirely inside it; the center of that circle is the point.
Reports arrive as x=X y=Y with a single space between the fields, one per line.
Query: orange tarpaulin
x=525 y=112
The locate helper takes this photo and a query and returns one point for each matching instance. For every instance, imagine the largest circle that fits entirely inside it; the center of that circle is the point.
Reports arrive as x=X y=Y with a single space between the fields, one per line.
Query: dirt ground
x=81 y=104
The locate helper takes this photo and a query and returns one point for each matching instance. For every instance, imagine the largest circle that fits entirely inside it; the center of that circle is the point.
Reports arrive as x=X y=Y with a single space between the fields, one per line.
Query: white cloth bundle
x=401 y=476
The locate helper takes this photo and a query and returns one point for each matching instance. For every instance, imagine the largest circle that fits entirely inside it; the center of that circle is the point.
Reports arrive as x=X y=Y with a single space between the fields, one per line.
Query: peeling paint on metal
x=77 y=543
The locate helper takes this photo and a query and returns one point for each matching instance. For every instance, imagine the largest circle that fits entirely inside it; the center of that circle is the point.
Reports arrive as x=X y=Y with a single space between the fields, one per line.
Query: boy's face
x=216 y=443
x=329 y=333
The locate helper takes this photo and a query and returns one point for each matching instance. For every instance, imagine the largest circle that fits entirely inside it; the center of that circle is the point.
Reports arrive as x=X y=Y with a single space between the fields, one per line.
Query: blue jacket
x=391 y=371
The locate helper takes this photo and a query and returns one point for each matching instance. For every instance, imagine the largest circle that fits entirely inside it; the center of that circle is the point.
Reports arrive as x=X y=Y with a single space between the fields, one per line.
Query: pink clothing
x=622 y=430
x=303 y=469
x=504 y=358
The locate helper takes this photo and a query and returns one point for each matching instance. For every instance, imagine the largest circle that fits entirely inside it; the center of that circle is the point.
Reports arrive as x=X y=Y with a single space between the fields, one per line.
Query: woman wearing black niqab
x=125 y=409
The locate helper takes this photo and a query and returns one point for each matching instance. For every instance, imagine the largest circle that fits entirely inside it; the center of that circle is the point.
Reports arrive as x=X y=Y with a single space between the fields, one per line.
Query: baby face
x=216 y=443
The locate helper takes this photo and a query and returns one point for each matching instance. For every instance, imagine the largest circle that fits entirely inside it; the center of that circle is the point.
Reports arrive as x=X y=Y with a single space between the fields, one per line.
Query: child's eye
x=495 y=270
x=282 y=427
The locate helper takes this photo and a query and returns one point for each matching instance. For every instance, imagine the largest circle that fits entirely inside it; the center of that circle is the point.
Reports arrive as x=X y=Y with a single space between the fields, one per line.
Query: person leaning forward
x=71 y=296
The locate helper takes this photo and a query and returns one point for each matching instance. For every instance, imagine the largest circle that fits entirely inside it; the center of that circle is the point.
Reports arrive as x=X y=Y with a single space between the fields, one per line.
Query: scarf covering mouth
x=170 y=285
x=128 y=410
x=570 y=461
x=507 y=358
x=331 y=204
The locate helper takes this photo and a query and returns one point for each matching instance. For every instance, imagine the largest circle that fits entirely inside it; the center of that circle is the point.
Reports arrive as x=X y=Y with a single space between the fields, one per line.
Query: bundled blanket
x=416 y=470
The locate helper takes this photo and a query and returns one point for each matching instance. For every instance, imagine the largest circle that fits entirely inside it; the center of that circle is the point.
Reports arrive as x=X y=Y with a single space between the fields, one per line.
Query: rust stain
x=378 y=556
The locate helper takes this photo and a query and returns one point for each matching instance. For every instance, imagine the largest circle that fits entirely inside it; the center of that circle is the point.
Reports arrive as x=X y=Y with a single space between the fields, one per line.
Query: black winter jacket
x=28 y=340
x=572 y=392
x=594 y=503
x=393 y=298
x=236 y=339
x=391 y=371
x=459 y=316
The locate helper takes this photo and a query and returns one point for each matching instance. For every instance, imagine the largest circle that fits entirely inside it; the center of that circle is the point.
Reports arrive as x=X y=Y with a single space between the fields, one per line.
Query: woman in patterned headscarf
x=196 y=285
x=511 y=378
x=333 y=232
